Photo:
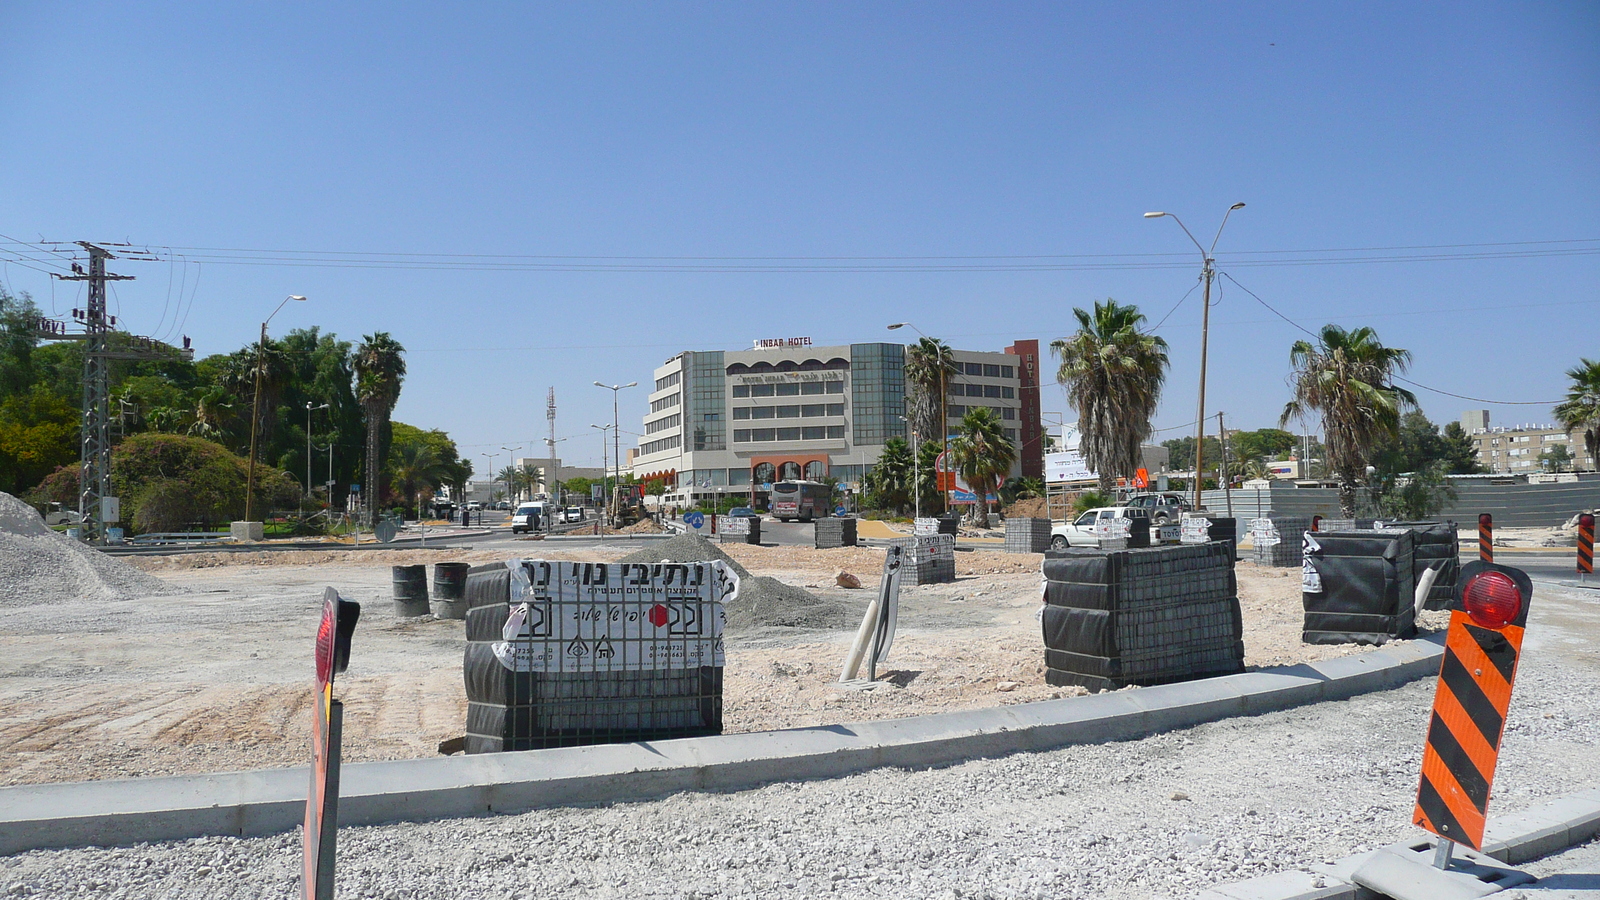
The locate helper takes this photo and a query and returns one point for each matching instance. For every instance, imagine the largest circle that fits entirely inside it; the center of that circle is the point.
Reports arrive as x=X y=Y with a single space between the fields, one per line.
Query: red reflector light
x=325 y=648
x=1492 y=599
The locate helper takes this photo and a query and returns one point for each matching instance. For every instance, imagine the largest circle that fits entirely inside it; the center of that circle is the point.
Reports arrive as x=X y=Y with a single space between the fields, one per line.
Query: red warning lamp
x=1492 y=599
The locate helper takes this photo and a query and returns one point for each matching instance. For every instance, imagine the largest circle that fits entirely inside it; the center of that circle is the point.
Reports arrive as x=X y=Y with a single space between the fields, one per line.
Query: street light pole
x=944 y=414
x=309 y=408
x=1207 y=273
x=606 y=509
x=255 y=411
x=616 y=426
x=511 y=466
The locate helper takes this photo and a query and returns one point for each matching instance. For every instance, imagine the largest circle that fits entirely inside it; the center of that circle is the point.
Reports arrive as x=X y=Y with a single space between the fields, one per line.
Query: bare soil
x=216 y=676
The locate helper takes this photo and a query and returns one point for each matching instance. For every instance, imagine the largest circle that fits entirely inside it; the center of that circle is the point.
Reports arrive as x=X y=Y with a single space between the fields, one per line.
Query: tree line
x=319 y=395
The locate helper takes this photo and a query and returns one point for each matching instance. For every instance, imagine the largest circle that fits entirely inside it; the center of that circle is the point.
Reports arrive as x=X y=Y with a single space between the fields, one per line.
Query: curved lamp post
x=255 y=411
x=1207 y=272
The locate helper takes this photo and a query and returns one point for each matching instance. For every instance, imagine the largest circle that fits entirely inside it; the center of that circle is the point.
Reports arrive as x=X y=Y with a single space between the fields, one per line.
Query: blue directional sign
x=694 y=519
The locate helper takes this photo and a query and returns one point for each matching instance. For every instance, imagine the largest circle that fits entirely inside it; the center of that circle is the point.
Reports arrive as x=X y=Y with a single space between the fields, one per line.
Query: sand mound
x=762 y=601
x=39 y=566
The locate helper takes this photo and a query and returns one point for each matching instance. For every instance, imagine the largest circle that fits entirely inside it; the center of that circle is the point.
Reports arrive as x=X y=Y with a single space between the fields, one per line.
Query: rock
x=1008 y=685
x=1179 y=795
x=846 y=580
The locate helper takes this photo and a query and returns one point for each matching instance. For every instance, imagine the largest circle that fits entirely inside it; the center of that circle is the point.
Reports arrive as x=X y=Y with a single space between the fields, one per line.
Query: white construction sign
x=608 y=617
x=921 y=527
x=733 y=525
x=1263 y=533
x=1195 y=530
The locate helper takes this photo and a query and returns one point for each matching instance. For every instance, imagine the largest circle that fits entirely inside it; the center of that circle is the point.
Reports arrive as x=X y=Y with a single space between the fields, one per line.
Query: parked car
x=1163 y=506
x=1080 y=531
x=528 y=517
x=743 y=512
x=572 y=514
x=474 y=505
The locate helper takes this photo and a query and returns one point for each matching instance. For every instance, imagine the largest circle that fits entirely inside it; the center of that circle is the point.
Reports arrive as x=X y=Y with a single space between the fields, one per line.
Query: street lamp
x=255 y=411
x=511 y=466
x=604 y=484
x=616 y=425
x=944 y=409
x=916 y=466
x=309 y=408
x=1207 y=272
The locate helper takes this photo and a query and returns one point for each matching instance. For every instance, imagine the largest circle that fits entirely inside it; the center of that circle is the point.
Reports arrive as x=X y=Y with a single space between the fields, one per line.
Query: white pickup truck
x=1080 y=531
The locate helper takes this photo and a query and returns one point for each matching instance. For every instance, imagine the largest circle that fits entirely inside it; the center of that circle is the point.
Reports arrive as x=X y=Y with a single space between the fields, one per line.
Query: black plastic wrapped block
x=522 y=710
x=1151 y=616
x=1027 y=535
x=835 y=532
x=1436 y=548
x=1358 y=587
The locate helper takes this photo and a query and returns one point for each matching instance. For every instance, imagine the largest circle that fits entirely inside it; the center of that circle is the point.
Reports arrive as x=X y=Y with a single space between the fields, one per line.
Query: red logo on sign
x=658 y=615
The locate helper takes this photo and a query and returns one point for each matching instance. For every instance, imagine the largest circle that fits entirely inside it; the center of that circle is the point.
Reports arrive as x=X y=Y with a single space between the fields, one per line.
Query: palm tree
x=889 y=480
x=511 y=477
x=380 y=366
x=418 y=469
x=1346 y=376
x=983 y=456
x=530 y=476
x=1581 y=410
x=930 y=364
x=1113 y=374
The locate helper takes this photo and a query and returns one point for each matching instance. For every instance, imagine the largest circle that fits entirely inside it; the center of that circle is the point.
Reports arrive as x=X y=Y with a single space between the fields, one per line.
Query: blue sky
x=811 y=131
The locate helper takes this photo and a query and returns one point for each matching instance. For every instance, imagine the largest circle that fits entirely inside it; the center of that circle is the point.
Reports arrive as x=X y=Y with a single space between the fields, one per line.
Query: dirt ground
x=217 y=676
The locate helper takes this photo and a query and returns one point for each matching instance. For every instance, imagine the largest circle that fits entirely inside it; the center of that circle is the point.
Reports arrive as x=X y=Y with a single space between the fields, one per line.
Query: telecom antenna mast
x=550 y=485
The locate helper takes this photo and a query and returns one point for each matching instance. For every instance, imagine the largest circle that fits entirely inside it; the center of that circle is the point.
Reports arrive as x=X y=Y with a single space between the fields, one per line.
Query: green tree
x=983 y=456
x=1580 y=412
x=1460 y=456
x=1346 y=377
x=169 y=482
x=1113 y=374
x=418 y=469
x=925 y=471
x=1263 y=443
x=1556 y=459
x=38 y=432
x=18 y=340
x=930 y=364
x=888 y=482
x=578 y=489
x=380 y=367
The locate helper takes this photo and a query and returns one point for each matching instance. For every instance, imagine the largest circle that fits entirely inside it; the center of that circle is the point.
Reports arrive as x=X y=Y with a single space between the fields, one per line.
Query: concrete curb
x=101 y=813
x=1513 y=839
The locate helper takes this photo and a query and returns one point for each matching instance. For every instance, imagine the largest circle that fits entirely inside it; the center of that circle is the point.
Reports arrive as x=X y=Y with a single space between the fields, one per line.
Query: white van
x=527 y=516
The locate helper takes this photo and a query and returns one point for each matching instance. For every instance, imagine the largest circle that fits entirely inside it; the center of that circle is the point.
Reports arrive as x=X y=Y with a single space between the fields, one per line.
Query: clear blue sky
x=953 y=130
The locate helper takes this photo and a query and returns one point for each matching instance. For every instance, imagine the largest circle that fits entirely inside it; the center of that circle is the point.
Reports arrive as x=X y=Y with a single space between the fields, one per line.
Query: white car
x=526 y=516
x=1080 y=531
x=572 y=514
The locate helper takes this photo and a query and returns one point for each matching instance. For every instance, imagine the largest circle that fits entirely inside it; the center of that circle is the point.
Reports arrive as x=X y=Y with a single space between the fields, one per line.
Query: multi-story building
x=788 y=410
x=1516 y=450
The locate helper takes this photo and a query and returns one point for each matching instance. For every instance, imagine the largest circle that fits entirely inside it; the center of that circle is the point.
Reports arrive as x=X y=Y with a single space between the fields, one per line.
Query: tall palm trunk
x=377 y=418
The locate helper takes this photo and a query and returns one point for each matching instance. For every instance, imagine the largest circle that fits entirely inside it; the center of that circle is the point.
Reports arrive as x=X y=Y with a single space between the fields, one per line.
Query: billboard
x=1067 y=463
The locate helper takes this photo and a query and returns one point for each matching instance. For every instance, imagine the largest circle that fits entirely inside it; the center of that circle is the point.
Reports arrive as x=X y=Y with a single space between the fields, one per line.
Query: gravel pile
x=762 y=601
x=38 y=565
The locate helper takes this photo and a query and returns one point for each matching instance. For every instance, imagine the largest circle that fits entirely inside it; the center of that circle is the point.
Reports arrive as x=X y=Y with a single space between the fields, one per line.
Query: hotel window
x=761 y=390
x=814 y=410
x=761 y=434
x=1008 y=393
x=788 y=412
x=788 y=434
x=1007 y=412
x=991 y=371
x=763 y=412
x=1006 y=372
x=957 y=412
x=835 y=432
x=813 y=433
x=811 y=387
x=974 y=369
x=835 y=409
x=741 y=390
x=789 y=389
x=741 y=412
x=992 y=391
x=834 y=387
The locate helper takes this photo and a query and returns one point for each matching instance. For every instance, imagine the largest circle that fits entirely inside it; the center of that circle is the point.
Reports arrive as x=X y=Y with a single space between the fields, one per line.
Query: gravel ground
x=92 y=688
x=1159 y=817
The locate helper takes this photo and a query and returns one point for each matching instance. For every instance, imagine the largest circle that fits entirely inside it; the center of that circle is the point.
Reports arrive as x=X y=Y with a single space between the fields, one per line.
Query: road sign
x=694 y=519
x=1481 y=652
x=385 y=530
x=838 y=510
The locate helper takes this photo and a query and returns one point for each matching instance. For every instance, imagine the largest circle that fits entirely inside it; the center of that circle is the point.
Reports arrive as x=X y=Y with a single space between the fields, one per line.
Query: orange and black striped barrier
x=1586 y=544
x=1476 y=674
x=1486 y=537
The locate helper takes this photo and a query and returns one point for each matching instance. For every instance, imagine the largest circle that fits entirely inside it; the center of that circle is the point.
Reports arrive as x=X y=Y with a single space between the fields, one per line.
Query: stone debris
x=42 y=567
x=846 y=580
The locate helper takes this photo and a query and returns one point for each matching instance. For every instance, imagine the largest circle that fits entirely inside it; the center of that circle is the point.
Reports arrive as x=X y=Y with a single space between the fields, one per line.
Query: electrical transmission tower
x=94 y=479
x=96 y=506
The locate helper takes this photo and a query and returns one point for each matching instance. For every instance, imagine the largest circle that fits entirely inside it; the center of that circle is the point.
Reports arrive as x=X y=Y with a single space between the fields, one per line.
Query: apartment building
x=1516 y=450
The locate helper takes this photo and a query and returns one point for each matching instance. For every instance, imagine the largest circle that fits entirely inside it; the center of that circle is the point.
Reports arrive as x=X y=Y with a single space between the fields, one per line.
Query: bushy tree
x=168 y=482
x=888 y=482
x=1580 y=412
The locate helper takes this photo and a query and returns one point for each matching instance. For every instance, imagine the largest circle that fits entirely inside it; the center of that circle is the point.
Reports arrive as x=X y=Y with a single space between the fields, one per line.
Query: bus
x=803 y=500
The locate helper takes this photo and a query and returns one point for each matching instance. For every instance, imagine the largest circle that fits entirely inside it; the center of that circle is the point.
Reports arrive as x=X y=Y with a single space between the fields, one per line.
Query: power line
x=1396 y=377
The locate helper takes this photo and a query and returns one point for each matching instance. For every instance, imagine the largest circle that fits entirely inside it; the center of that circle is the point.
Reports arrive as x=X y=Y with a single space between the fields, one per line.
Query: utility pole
x=1225 y=482
x=94 y=479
